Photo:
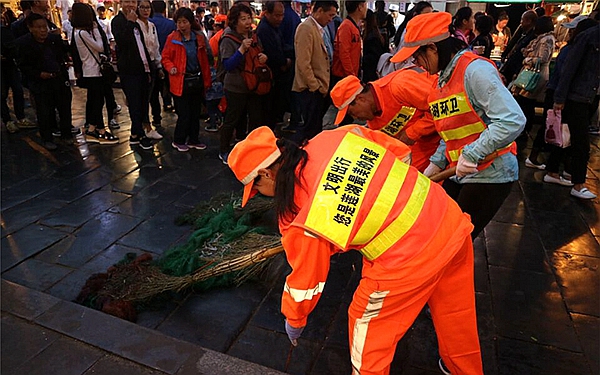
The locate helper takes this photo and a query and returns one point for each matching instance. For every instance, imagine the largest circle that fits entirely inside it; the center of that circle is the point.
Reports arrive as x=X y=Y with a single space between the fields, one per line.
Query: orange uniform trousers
x=383 y=310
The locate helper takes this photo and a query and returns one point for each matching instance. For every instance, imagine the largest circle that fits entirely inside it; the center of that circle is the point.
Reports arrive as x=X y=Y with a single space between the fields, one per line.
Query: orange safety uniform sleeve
x=421 y=128
x=309 y=257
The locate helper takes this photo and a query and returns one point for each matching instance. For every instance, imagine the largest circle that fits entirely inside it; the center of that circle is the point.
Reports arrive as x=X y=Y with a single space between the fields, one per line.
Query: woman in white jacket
x=92 y=50
x=153 y=47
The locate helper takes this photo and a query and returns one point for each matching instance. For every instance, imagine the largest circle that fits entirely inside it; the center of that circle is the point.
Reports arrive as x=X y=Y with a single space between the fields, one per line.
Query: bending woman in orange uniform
x=350 y=188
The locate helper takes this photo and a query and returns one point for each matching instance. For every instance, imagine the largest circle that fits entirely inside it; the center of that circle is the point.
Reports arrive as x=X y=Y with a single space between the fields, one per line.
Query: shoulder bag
x=528 y=78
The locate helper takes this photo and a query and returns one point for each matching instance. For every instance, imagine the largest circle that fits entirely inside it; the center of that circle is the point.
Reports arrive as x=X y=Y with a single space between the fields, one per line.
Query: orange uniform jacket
x=401 y=210
x=402 y=97
x=347 y=50
x=174 y=56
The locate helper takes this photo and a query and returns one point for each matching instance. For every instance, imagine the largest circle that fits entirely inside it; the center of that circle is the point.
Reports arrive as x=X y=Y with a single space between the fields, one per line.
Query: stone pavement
x=71 y=213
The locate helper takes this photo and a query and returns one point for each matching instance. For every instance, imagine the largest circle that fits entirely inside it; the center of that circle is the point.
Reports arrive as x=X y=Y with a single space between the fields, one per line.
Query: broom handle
x=267 y=253
x=452 y=171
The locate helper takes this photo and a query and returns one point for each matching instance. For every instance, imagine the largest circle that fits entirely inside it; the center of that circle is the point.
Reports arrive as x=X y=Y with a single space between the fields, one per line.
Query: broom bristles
x=156 y=282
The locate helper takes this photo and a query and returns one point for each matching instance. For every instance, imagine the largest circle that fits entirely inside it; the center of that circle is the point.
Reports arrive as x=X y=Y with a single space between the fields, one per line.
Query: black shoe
x=134 y=141
x=146 y=143
x=204 y=116
x=169 y=108
x=56 y=133
x=211 y=129
x=75 y=131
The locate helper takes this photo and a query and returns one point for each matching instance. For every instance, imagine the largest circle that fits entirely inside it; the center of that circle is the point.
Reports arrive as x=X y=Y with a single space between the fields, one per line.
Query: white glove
x=465 y=167
x=431 y=170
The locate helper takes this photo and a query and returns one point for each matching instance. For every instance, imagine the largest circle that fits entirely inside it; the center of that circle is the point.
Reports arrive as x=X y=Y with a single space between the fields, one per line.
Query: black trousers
x=244 y=113
x=160 y=87
x=95 y=101
x=481 y=201
x=54 y=95
x=577 y=116
x=137 y=92
x=312 y=109
x=188 y=109
x=11 y=79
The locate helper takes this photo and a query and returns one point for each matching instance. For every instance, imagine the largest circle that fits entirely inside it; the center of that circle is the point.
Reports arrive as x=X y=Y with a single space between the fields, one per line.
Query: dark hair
x=200 y=10
x=371 y=26
x=188 y=15
x=25 y=5
x=478 y=14
x=463 y=14
x=502 y=16
x=151 y=9
x=416 y=10
x=270 y=6
x=543 y=25
x=446 y=49
x=214 y=4
x=32 y=17
x=325 y=5
x=484 y=24
x=159 y=6
x=352 y=6
x=82 y=16
x=234 y=14
x=540 y=11
x=287 y=179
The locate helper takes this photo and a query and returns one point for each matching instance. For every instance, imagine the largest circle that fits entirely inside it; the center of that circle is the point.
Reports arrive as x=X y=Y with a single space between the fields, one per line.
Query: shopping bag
x=557 y=133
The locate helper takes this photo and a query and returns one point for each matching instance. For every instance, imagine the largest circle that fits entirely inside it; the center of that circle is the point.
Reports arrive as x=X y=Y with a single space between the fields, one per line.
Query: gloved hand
x=293 y=333
x=431 y=170
x=465 y=167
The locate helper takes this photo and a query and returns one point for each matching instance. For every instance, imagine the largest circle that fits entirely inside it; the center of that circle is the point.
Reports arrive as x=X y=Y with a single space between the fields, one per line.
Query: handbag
x=528 y=78
x=106 y=69
x=193 y=83
x=557 y=133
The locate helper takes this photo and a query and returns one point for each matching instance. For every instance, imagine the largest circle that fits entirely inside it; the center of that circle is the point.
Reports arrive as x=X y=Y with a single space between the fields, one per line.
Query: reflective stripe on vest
x=399 y=121
x=402 y=224
x=335 y=212
x=342 y=187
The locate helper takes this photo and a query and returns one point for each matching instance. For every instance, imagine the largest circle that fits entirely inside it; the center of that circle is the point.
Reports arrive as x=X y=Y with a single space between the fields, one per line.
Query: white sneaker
x=583 y=194
x=530 y=164
x=559 y=181
x=118 y=109
x=153 y=134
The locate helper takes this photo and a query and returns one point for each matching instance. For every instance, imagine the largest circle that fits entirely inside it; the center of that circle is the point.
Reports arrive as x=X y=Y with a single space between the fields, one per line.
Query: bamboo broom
x=153 y=282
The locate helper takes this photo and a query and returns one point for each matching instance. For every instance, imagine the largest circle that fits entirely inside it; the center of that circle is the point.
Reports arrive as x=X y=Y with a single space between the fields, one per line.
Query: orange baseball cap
x=259 y=150
x=344 y=93
x=422 y=30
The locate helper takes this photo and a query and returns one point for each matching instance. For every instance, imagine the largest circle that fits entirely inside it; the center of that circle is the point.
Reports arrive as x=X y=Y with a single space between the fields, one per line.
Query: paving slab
x=118 y=337
x=565 y=233
x=96 y=235
x=579 y=279
x=24 y=302
x=63 y=357
x=214 y=318
x=515 y=246
x=21 y=341
x=36 y=274
x=113 y=365
x=519 y=357
x=79 y=212
x=23 y=214
x=588 y=330
x=528 y=306
x=27 y=242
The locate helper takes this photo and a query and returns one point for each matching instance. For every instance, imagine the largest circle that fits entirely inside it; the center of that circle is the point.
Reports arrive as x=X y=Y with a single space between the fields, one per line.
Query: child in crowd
x=213 y=97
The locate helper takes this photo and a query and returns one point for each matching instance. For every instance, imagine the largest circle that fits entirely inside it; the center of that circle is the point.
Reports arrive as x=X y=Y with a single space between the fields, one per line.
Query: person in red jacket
x=186 y=59
x=347 y=46
x=395 y=104
x=351 y=189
